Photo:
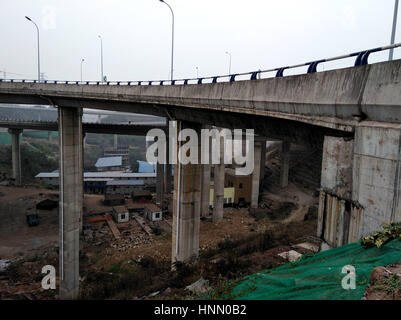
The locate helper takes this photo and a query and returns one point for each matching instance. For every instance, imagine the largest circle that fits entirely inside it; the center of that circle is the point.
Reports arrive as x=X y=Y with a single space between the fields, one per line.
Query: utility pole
x=390 y=57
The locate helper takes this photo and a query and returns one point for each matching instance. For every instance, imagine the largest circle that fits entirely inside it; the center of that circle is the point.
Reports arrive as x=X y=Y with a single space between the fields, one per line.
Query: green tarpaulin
x=319 y=276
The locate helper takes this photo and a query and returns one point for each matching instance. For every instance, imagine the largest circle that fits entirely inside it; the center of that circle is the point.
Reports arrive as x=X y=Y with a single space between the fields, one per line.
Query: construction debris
x=291 y=255
x=143 y=224
x=198 y=287
x=114 y=229
x=4 y=264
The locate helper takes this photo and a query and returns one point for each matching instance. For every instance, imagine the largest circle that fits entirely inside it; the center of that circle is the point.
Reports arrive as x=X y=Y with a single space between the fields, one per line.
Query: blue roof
x=125 y=183
x=146 y=167
x=109 y=162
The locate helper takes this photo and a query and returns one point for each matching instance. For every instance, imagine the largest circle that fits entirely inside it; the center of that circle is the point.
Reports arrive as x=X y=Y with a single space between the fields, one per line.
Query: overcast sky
x=259 y=34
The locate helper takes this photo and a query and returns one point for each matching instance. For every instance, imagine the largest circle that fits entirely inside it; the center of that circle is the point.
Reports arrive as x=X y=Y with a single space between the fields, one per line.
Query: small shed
x=153 y=212
x=120 y=214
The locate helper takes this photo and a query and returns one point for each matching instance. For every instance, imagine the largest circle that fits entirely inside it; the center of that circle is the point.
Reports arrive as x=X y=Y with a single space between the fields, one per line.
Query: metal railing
x=361 y=59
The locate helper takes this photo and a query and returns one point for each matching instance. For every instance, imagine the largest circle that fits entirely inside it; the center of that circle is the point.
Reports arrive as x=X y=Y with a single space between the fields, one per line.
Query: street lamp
x=172 y=41
x=101 y=56
x=37 y=29
x=82 y=61
x=390 y=57
x=229 y=68
x=197 y=72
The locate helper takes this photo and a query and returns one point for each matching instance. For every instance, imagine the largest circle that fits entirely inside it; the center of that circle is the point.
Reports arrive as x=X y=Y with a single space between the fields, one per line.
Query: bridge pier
x=218 y=185
x=360 y=184
x=285 y=164
x=205 y=190
x=71 y=199
x=255 y=185
x=262 y=163
x=160 y=184
x=186 y=209
x=16 y=154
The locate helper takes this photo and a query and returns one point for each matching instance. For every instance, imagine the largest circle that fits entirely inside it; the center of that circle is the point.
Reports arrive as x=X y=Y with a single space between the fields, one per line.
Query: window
x=157 y=215
x=122 y=217
x=240 y=185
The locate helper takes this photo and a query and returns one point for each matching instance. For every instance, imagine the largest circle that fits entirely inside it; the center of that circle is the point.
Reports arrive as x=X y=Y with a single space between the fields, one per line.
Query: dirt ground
x=385 y=284
x=100 y=251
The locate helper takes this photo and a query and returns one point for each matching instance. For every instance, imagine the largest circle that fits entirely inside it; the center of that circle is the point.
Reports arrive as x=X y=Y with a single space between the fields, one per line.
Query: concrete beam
x=285 y=164
x=186 y=210
x=71 y=188
x=16 y=154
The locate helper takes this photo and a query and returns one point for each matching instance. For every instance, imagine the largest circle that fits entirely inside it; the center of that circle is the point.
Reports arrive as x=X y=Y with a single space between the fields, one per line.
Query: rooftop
x=125 y=183
x=109 y=162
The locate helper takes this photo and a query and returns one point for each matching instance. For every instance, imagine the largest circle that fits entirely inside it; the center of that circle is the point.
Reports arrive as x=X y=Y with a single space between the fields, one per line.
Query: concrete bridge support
x=16 y=154
x=186 y=210
x=205 y=190
x=70 y=208
x=335 y=195
x=218 y=185
x=285 y=164
x=160 y=183
x=262 y=163
x=256 y=174
x=376 y=177
x=360 y=185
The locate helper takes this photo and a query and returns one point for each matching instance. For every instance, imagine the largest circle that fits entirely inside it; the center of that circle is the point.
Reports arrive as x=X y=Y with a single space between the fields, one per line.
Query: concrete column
x=285 y=164
x=205 y=190
x=186 y=210
x=218 y=186
x=168 y=176
x=115 y=141
x=262 y=163
x=16 y=154
x=159 y=183
x=256 y=175
x=70 y=208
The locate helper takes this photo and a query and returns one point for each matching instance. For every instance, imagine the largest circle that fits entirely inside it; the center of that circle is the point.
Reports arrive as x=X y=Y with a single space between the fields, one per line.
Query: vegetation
x=390 y=231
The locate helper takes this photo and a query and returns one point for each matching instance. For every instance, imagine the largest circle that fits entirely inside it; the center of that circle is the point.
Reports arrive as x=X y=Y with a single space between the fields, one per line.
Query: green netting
x=319 y=276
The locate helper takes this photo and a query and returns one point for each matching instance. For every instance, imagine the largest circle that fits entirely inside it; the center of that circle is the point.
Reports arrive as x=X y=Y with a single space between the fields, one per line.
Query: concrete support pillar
x=16 y=154
x=205 y=190
x=262 y=163
x=168 y=175
x=256 y=175
x=115 y=141
x=70 y=208
x=186 y=210
x=159 y=184
x=285 y=164
x=218 y=186
x=218 y=192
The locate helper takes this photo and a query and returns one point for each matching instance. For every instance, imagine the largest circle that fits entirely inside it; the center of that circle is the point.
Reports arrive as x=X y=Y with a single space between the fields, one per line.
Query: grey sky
x=260 y=34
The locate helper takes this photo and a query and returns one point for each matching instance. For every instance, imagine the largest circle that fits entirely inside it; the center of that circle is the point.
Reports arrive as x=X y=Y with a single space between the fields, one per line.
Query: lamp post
x=172 y=41
x=390 y=57
x=37 y=29
x=229 y=67
x=197 y=72
x=82 y=61
x=101 y=57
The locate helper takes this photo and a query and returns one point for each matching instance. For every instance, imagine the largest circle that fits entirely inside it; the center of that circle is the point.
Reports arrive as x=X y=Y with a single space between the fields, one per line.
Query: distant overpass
x=122 y=129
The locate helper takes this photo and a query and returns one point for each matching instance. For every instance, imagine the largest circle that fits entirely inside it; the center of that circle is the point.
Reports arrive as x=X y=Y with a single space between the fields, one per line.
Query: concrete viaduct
x=354 y=113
